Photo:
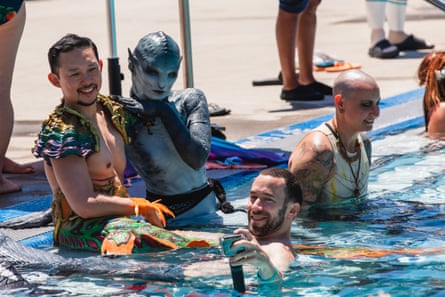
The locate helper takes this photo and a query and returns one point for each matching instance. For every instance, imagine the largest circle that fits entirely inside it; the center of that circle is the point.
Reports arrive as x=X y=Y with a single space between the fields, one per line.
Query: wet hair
x=423 y=68
x=157 y=44
x=293 y=188
x=434 y=86
x=66 y=44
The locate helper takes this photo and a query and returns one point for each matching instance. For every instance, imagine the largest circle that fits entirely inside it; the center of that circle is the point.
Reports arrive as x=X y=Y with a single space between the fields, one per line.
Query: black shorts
x=293 y=6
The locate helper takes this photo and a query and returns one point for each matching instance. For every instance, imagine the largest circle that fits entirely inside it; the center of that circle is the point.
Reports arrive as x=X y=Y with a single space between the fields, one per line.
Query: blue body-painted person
x=172 y=143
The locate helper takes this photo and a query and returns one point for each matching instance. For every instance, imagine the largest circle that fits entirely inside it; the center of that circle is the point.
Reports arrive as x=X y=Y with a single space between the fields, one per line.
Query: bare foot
x=10 y=166
x=7 y=186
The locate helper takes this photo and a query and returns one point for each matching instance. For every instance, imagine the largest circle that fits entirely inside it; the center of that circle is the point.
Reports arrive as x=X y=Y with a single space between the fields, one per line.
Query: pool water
x=404 y=213
x=390 y=243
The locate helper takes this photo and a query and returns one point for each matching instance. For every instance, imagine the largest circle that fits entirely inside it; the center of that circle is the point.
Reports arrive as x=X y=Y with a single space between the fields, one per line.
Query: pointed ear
x=53 y=79
x=131 y=61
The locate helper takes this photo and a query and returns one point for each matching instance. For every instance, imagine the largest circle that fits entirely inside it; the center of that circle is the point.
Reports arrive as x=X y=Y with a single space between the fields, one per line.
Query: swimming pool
x=400 y=223
x=379 y=245
x=405 y=210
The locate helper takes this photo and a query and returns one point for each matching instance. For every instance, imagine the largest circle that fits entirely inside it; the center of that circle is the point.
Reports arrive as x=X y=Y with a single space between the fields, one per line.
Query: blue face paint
x=154 y=65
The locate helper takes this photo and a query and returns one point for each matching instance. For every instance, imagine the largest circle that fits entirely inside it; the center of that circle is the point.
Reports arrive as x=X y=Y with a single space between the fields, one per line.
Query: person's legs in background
x=10 y=35
x=306 y=30
x=375 y=13
x=394 y=12
x=286 y=29
x=376 y=16
x=286 y=32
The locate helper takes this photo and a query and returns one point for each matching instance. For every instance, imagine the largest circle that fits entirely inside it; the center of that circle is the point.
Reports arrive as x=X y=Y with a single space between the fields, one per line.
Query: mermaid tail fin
x=118 y=243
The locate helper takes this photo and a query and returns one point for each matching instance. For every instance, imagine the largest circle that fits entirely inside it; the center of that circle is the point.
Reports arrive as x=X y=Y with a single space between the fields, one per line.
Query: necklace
x=350 y=159
x=356 y=176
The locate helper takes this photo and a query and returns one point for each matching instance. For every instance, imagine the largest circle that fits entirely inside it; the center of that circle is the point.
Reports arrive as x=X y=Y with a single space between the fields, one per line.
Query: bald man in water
x=332 y=161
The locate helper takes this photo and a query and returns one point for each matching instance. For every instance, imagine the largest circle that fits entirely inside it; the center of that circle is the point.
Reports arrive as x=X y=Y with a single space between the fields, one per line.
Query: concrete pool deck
x=233 y=44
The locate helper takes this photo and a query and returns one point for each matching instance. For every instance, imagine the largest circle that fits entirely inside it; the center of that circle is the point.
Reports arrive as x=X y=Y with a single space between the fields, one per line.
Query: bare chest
x=111 y=155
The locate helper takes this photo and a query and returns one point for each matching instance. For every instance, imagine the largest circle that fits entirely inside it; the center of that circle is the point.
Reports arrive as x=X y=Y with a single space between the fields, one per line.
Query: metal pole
x=114 y=71
x=438 y=3
x=184 y=16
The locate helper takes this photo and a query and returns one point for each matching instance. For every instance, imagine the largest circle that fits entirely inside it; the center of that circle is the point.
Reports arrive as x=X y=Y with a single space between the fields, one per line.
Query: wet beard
x=271 y=225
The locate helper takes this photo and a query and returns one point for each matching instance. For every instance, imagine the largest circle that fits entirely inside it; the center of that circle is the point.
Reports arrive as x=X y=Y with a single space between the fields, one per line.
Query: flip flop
x=342 y=66
x=383 y=50
x=324 y=60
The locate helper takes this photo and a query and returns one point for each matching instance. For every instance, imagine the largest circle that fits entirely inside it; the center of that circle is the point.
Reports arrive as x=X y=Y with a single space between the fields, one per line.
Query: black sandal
x=383 y=50
x=412 y=43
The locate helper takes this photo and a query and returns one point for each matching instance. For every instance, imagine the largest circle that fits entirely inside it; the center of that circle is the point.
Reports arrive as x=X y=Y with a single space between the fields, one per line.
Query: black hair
x=68 y=43
x=293 y=188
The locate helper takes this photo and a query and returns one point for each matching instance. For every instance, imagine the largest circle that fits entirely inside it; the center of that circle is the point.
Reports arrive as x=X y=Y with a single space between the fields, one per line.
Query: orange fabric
x=163 y=242
x=198 y=243
x=110 y=247
x=338 y=66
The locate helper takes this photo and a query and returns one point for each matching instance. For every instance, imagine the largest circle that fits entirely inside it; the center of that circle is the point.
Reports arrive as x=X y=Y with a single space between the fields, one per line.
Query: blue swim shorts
x=8 y=9
x=293 y=6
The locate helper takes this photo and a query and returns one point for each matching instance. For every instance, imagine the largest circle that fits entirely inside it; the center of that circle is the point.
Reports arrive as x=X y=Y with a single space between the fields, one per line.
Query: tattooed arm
x=313 y=163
